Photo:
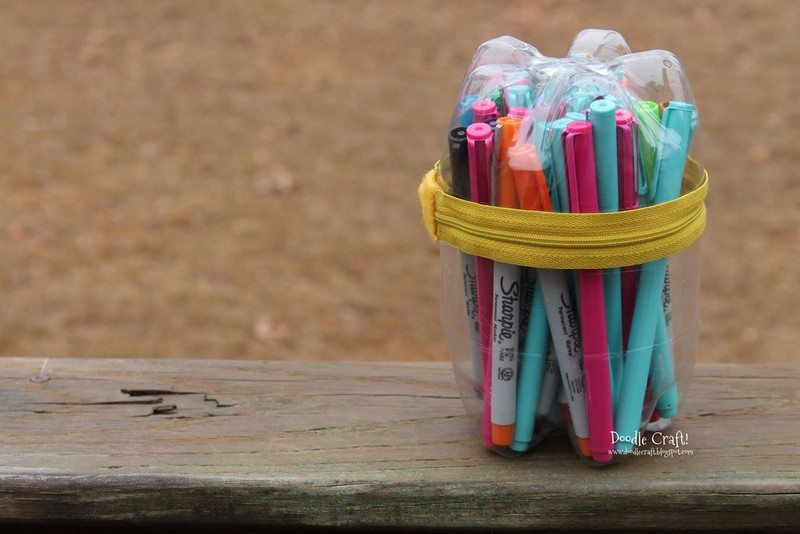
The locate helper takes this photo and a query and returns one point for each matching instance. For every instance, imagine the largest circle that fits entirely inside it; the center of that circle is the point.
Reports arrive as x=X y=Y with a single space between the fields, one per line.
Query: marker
x=519 y=96
x=582 y=186
x=662 y=369
x=526 y=115
x=561 y=314
x=664 y=384
x=530 y=184
x=506 y=296
x=550 y=383
x=602 y=114
x=628 y=199
x=484 y=110
x=529 y=179
x=459 y=162
x=558 y=185
x=465 y=110
x=479 y=152
x=527 y=280
x=506 y=188
x=672 y=150
x=496 y=96
x=579 y=100
x=649 y=126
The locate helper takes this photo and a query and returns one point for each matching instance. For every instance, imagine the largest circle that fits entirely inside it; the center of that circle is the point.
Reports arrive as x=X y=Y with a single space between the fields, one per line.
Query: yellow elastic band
x=566 y=240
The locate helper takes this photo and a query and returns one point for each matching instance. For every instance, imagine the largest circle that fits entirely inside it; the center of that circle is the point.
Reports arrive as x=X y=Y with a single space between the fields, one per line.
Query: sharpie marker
x=672 y=151
x=562 y=317
x=582 y=186
x=479 y=152
x=459 y=162
x=604 y=128
x=506 y=296
x=530 y=184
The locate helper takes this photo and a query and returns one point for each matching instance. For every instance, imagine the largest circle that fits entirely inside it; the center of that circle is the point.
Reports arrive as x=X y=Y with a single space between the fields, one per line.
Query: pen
x=496 y=96
x=604 y=128
x=526 y=115
x=670 y=159
x=506 y=295
x=582 y=187
x=550 y=382
x=561 y=314
x=628 y=199
x=527 y=280
x=662 y=372
x=479 y=152
x=530 y=184
x=484 y=110
x=519 y=96
x=649 y=125
x=459 y=163
x=465 y=110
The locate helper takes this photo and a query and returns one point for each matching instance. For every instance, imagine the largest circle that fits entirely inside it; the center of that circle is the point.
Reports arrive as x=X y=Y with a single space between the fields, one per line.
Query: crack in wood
x=150 y=392
x=158 y=400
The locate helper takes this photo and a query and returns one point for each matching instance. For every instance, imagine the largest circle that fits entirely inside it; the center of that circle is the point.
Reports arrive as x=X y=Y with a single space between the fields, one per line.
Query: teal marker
x=531 y=372
x=558 y=180
x=602 y=114
x=465 y=116
x=519 y=96
x=672 y=150
x=662 y=374
x=579 y=100
x=662 y=371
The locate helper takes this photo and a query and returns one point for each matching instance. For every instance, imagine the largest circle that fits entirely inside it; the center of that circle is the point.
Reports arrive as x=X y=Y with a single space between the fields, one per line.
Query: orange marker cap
x=502 y=434
x=506 y=191
x=529 y=179
x=583 y=445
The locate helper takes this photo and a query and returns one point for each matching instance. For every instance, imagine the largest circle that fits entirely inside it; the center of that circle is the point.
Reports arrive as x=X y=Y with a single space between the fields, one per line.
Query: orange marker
x=506 y=190
x=505 y=314
x=531 y=185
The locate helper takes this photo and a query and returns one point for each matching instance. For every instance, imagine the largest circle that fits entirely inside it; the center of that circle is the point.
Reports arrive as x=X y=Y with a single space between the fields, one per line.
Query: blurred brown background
x=238 y=179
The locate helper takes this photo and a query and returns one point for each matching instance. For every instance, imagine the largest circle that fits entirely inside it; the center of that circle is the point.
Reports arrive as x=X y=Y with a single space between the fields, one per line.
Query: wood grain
x=190 y=442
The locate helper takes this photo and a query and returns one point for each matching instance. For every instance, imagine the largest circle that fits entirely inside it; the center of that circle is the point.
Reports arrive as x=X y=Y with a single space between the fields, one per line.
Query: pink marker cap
x=522 y=113
x=623 y=116
x=478 y=131
x=484 y=110
x=524 y=158
x=579 y=127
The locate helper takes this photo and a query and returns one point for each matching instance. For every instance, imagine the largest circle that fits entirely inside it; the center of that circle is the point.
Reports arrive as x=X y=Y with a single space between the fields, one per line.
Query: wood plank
x=308 y=443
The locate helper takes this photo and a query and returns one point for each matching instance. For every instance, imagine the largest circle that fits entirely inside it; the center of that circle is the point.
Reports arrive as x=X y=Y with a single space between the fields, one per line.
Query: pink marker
x=484 y=110
x=582 y=191
x=479 y=154
x=526 y=114
x=628 y=200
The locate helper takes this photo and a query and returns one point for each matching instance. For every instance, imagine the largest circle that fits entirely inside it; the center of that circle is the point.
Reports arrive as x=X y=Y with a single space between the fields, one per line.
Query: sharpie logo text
x=507 y=306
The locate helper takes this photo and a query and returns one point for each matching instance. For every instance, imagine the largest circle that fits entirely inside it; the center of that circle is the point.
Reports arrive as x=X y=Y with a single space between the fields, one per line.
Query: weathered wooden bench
x=188 y=442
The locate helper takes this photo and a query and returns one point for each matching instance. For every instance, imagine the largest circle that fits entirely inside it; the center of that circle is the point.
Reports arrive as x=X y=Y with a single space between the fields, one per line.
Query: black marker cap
x=457 y=143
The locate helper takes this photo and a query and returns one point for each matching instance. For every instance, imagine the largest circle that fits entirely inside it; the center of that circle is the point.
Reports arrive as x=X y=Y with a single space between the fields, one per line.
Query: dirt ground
x=238 y=179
